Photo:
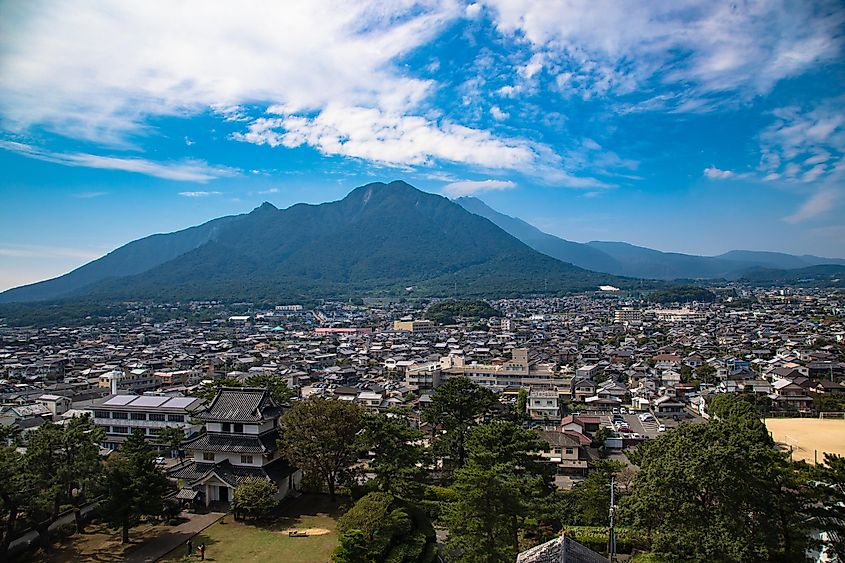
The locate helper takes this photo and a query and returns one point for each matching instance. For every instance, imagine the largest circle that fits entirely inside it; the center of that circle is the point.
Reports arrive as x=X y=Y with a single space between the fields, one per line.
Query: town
x=592 y=377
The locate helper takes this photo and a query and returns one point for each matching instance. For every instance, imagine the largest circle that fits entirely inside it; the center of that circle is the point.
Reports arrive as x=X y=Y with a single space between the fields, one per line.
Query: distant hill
x=830 y=275
x=379 y=238
x=624 y=259
x=576 y=253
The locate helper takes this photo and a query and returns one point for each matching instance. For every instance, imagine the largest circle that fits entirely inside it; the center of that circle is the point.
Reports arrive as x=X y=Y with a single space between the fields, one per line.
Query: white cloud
x=198 y=194
x=601 y=47
x=497 y=113
x=270 y=191
x=470 y=187
x=805 y=145
x=393 y=139
x=818 y=204
x=183 y=171
x=89 y=195
x=159 y=58
x=716 y=174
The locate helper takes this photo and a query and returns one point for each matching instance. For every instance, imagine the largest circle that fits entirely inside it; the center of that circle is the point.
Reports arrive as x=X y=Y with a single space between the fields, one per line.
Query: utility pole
x=611 y=538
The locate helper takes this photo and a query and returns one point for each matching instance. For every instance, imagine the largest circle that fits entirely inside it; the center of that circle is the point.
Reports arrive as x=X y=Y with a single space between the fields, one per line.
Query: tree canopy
x=319 y=436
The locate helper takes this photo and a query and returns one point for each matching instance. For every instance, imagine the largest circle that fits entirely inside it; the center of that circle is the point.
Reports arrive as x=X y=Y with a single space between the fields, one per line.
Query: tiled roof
x=236 y=443
x=234 y=475
x=241 y=404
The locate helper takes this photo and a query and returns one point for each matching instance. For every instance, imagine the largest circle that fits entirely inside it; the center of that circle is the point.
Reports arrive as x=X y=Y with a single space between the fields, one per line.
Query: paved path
x=159 y=546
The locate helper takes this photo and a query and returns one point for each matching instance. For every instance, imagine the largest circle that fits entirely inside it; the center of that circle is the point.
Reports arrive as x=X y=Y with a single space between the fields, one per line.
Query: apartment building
x=417 y=327
x=120 y=415
x=519 y=371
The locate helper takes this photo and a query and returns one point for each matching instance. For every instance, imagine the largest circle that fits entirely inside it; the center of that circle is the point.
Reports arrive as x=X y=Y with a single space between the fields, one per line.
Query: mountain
x=576 y=253
x=624 y=259
x=379 y=238
x=778 y=260
x=826 y=275
x=133 y=258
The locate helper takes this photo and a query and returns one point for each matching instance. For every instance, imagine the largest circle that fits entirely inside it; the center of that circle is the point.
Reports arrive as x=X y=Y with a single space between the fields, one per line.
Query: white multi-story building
x=519 y=371
x=543 y=404
x=120 y=415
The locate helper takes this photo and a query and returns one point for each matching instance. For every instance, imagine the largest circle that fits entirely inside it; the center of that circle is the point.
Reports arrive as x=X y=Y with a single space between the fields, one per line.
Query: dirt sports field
x=806 y=435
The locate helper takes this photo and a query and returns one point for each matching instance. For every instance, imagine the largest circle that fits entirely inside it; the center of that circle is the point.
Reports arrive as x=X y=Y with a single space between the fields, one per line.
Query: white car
x=623 y=410
x=661 y=428
x=159 y=460
x=636 y=436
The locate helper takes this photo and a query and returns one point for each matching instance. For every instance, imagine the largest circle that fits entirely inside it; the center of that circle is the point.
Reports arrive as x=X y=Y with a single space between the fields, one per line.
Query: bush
x=255 y=498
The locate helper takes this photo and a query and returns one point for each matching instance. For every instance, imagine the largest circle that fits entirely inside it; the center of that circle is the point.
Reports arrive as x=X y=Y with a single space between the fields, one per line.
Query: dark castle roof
x=241 y=404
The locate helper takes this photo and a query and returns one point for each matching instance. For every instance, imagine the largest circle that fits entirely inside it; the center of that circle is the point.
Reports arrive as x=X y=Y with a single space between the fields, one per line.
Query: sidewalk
x=161 y=545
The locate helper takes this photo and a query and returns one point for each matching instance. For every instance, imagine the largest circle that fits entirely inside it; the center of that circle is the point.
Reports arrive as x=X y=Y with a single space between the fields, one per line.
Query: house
x=667 y=405
x=790 y=396
x=239 y=443
x=583 y=388
x=566 y=451
x=56 y=404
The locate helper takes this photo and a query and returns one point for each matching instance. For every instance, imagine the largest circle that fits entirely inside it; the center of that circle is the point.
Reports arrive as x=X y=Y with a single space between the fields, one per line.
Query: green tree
x=319 y=436
x=255 y=498
x=720 y=491
x=352 y=548
x=80 y=465
x=828 y=510
x=209 y=390
x=705 y=373
x=278 y=387
x=134 y=485
x=457 y=406
x=501 y=483
x=482 y=522
x=398 y=450
x=522 y=404
x=172 y=437
x=600 y=437
x=13 y=492
x=588 y=502
x=42 y=465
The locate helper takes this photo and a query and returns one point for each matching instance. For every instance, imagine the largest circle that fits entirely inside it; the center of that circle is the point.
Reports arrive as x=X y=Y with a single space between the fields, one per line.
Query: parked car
x=661 y=428
x=635 y=436
x=159 y=460
x=623 y=410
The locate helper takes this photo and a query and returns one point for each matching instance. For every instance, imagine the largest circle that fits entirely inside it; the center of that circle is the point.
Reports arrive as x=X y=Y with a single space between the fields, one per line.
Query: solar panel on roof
x=120 y=400
x=148 y=401
x=179 y=402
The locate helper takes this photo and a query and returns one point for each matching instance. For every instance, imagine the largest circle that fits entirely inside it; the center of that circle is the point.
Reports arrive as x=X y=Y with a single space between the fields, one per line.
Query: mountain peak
x=266 y=206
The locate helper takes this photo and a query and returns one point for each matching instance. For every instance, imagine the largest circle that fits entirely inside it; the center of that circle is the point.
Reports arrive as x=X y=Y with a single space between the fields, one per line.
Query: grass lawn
x=263 y=542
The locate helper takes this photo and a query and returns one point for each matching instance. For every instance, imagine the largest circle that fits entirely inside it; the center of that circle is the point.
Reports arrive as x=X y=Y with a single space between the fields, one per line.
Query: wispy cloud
x=470 y=187
x=183 y=171
x=199 y=194
x=270 y=191
x=818 y=204
x=694 y=49
x=89 y=195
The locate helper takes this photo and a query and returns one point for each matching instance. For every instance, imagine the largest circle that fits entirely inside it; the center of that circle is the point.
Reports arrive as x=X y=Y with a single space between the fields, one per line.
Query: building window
x=239 y=428
x=120 y=429
x=120 y=415
x=569 y=451
x=139 y=416
x=246 y=459
x=227 y=427
x=208 y=456
x=157 y=417
x=101 y=414
x=176 y=418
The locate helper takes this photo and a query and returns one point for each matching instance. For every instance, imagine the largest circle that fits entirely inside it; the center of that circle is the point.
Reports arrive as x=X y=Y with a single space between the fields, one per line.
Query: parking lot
x=647 y=429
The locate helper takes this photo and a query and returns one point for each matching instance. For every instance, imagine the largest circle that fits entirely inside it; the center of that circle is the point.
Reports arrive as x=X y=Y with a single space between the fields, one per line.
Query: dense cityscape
x=583 y=380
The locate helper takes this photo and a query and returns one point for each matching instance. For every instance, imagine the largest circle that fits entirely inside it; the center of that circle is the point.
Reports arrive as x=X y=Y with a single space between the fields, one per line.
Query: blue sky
x=690 y=126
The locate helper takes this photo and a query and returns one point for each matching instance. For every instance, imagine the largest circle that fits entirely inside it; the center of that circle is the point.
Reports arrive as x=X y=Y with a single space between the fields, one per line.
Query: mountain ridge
x=626 y=259
x=380 y=237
